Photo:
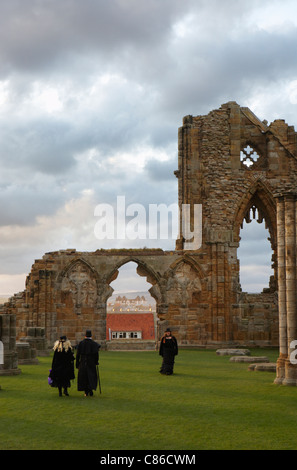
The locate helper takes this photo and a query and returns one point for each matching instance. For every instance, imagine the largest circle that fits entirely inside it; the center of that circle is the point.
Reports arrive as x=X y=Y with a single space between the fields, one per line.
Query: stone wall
x=255 y=319
x=66 y=291
x=8 y=343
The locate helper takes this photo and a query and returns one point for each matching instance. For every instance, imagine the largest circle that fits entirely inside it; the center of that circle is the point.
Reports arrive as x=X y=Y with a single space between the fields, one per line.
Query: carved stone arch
x=260 y=196
x=143 y=269
x=80 y=282
x=189 y=260
x=77 y=301
x=72 y=264
x=184 y=280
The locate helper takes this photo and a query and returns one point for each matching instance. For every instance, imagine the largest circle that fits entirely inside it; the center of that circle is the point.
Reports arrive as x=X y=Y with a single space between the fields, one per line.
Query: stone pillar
x=287 y=292
x=290 y=257
x=212 y=330
x=8 y=340
x=99 y=328
x=283 y=351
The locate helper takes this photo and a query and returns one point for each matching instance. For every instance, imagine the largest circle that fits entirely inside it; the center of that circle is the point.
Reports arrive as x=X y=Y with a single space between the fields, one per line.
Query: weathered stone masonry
x=67 y=291
x=213 y=152
x=238 y=168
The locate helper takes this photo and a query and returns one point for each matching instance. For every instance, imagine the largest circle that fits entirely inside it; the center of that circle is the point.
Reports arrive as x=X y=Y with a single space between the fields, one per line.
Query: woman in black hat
x=168 y=350
x=87 y=358
x=62 y=365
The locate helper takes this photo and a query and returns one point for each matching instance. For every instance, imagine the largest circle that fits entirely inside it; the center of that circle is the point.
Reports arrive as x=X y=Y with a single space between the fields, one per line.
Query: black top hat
x=88 y=334
x=63 y=338
x=168 y=329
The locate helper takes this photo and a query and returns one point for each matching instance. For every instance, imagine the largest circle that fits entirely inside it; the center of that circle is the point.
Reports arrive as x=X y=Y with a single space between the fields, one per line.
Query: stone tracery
x=248 y=156
x=80 y=284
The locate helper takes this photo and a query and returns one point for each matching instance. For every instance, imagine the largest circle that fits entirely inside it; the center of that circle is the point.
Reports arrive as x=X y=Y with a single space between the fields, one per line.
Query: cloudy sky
x=92 y=94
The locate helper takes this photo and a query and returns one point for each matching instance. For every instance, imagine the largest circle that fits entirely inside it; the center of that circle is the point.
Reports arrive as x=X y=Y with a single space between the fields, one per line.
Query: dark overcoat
x=168 y=350
x=62 y=366
x=87 y=358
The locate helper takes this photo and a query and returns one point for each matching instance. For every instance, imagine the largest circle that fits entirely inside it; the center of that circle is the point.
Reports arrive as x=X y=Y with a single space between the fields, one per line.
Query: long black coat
x=62 y=367
x=87 y=358
x=168 y=350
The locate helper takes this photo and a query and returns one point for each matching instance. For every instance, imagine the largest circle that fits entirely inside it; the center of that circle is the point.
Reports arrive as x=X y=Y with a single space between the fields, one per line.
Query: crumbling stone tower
x=236 y=166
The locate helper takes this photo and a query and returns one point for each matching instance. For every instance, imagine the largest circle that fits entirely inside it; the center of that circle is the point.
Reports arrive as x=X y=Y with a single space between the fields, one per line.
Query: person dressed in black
x=87 y=358
x=62 y=365
x=168 y=350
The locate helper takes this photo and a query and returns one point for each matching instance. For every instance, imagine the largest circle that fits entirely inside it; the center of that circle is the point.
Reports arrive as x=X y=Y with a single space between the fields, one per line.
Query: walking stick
x=98 y=378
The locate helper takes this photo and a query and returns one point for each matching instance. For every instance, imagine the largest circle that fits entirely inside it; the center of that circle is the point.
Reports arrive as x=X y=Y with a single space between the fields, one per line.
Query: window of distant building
x=126 y=334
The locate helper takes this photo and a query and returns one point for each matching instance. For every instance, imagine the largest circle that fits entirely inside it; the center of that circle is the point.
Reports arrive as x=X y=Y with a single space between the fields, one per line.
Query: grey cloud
x=212 y=72
x=161 y=76
x=137 y=36
x=37 y=145
x=20 y=205
x=35 y=34
x=161 y=170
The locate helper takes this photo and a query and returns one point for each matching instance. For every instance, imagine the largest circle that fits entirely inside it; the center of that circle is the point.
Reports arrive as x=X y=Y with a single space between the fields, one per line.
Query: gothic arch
x=68 y=268
x=142 y=269
x=191 y=262
x=80 y=282
x=181 y=281
x=259 y=196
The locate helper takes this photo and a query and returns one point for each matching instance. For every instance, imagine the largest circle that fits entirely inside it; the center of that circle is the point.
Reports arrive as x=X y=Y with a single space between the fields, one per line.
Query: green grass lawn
x=209 y=403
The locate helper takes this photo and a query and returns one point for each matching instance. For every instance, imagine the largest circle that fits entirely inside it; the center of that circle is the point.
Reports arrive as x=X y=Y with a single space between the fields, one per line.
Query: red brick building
x=129 y=326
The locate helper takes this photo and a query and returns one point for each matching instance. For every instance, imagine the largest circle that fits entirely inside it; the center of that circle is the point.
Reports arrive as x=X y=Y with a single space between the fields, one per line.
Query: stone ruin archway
x=258 y=204
x=132 y=319
x=142 y=270
x=79 y=293
x=67 y=292
x=175 y=291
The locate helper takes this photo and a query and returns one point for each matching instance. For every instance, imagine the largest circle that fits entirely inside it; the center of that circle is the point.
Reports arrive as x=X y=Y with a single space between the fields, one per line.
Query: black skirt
x=168 y=362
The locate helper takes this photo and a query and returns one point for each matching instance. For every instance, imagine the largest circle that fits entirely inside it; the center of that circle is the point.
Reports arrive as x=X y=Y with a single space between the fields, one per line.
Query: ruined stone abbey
x=237 y=167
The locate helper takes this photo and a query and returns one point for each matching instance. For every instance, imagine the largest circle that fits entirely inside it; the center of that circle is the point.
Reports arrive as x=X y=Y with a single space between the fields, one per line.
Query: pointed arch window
x=131 y=310
x=249 y=156
x=255 y=252
x=254 y=213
